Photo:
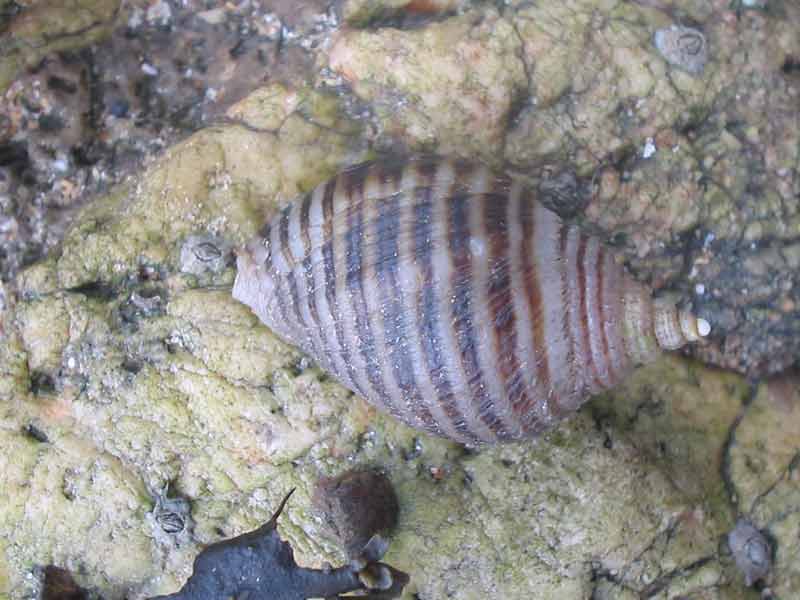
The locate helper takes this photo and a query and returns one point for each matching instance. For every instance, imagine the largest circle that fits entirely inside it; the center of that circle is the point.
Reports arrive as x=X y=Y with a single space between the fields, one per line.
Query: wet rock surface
x=75 y=123
x=696 y=169
x=126 y=367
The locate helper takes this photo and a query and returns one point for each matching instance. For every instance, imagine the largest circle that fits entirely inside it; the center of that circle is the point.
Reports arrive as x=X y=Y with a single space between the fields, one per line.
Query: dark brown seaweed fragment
x=259 y=565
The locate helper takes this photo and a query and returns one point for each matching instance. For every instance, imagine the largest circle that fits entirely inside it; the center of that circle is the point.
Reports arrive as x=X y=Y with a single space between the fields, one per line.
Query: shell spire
x=652 y=326
x=675 y=328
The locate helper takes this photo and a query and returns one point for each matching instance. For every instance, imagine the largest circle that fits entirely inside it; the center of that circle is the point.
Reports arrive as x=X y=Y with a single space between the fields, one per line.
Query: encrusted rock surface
x=49 y=27
x=126 y=369
x=696 y=173
x=370 y=12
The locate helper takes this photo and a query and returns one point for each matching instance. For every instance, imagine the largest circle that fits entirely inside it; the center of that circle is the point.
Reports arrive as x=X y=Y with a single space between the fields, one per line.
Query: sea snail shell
x=448 y=296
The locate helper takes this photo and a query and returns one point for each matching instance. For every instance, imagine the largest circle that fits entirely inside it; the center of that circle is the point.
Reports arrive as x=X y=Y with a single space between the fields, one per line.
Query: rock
x=58 y=584
x=201 y=396
x=763 y=475
x=682 y=47
x=361 y=13
x=108 y=393
x=644 y=109
x=259 y=564
x=126 y=365
x=449 y=86
x=42 y=28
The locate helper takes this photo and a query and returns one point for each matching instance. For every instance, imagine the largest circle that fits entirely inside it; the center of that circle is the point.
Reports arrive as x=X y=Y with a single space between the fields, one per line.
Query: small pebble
x=119 y=108
x=682 y=47
x=61 y=165
x=751 y=551
x=204 y=253
x=58 y=584
x=355 y=506
x=159 y=12
x=649 y=148
x=149 y=69
x=215 y=16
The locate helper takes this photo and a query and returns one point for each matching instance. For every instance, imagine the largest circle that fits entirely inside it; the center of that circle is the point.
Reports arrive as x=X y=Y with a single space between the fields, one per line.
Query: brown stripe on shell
x=583 y=311
x=447 y=344
x=526 y=352
x=386 y=227
x=305 y=209
x=278 y=264
x=332 y=277
x=317 y=332
x=566 y=325
x=597 y=363
x=300 y=280
x=356 y=270
x=327 y=247
x=291 y=281
x=415 y=271
x=322 y=260
x=461 y=285
x=485 y=190
x=600 y=269
x=612 y=315
x=549 y=275
x=501 y=303
x=427 y=205
x=533 y=295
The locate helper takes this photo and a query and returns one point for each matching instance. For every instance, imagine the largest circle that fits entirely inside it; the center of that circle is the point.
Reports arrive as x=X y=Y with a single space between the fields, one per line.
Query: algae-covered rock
x=693 y=150
x=45 y=27
x=764 y=474
x=155 y=378
x=450 y=86
x=362 y=13
x=130 y=380
x=119 y=373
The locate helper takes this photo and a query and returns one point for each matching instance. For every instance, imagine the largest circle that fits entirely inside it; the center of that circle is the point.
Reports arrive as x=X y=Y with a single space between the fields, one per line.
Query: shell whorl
x=449 y=297
x=651 y=326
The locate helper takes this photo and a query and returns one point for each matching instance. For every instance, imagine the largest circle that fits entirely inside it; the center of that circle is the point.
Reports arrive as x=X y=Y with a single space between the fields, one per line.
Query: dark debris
x=355 y=506
x=58 y=584
x=259 y=565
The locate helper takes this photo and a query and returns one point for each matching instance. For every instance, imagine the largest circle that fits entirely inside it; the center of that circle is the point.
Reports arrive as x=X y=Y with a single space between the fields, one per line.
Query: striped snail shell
x=448 y=296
